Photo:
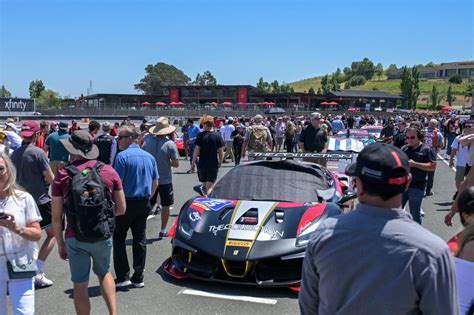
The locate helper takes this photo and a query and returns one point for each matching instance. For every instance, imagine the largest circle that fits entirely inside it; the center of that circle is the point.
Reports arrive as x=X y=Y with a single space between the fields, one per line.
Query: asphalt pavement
x=165 y=295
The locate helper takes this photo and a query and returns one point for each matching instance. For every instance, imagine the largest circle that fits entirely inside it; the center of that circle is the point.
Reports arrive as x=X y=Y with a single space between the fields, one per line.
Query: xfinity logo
x=10 y=105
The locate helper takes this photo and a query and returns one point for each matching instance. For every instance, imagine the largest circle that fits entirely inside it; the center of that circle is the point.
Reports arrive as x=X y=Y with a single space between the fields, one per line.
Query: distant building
x=441 y=71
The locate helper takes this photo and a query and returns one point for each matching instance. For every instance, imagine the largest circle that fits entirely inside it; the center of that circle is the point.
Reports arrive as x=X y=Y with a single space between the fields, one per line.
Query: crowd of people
x=87 y=188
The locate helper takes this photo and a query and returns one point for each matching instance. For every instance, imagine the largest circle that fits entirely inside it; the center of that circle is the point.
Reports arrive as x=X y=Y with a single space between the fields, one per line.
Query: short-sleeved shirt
x=422 y=154
x=62 y=182
x=314 y=139
x=57 y=151
x=462 y=152
x=137 y=169
x=25 y=210
x=164 y=150
x=13 y=138
x=387 y=131
x=193 y=132
x=377 y=261
x=337 y=125
x=30 y=163
x=209 y=142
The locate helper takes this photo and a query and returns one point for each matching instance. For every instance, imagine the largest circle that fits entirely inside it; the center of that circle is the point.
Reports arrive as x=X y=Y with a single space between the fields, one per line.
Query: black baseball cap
x=381 y=163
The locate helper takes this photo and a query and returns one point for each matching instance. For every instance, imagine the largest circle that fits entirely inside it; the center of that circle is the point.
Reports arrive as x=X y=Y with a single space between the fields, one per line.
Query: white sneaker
x=422 y=212
x=123 y=284
x=41 y=281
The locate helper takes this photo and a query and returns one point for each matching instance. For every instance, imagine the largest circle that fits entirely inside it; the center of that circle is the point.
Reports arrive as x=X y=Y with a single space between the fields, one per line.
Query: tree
x=36 y=87
x=311 y=90
x=205 y=79
x=319 y=92
x=263 y=85
x=415 y=77
x=434 y=96
x=406 y=86
x=391 y=71
x=455 y=78
x=347 y=73
x=338 y=75
x=449 y=96
x=325 y=85
x=347 y=85
x=4 y=92
x=356 y=80
x=275 y=86
x=364 y=68
x=470 y=88
x=334 y=85
x=159 y=75
x=379 y=70
x=430 y=64
x=49 y=98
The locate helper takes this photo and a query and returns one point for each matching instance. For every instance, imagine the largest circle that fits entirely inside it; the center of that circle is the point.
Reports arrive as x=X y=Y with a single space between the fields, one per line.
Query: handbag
x=21 y=271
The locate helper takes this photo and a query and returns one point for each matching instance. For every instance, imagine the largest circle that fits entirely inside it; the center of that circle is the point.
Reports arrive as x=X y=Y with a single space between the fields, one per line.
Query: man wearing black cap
x=376 y=259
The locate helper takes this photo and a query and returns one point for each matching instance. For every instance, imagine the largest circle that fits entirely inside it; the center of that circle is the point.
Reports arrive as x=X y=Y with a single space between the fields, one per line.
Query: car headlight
x=188 y=220
x=303 y=238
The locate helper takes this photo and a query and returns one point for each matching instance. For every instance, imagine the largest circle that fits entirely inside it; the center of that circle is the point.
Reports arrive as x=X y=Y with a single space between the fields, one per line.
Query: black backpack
x=104 y=143
x=89 y=206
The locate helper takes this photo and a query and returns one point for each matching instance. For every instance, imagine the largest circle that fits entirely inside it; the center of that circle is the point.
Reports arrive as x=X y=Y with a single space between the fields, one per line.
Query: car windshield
x=274 y=181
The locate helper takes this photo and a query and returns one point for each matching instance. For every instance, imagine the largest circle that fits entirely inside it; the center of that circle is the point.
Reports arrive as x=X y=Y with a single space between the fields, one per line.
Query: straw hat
x=162 y=127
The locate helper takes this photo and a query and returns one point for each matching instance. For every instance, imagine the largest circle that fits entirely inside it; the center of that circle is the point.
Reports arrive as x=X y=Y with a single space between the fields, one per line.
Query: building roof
x=364 y=94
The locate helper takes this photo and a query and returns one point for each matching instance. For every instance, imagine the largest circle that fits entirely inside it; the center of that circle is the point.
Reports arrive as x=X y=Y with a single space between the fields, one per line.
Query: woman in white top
x=465 y=254
x=19 y=232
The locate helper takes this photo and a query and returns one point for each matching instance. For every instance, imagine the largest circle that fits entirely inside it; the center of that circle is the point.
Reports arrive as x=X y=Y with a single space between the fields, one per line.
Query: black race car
x=255 y=225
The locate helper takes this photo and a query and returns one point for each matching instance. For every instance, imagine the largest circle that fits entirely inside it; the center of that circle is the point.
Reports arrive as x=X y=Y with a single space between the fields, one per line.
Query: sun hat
x=81 y=143
x=162 y=127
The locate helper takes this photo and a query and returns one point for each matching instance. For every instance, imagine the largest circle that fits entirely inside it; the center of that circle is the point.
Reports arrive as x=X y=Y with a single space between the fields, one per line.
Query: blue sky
x=66 y=43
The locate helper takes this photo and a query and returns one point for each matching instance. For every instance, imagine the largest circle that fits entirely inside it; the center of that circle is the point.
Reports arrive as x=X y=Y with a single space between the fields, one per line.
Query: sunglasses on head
x=410 y=138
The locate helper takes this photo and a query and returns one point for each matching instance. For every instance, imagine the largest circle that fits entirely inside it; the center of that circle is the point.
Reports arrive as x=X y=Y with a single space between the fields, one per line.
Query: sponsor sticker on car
x=238 y=243
x=213 y=204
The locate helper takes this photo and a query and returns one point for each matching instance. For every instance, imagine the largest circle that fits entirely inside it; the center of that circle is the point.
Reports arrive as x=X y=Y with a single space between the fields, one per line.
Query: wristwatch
x=22 y=230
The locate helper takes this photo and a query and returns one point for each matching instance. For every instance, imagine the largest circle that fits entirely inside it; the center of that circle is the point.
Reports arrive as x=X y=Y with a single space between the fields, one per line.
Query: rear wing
x=333 y=156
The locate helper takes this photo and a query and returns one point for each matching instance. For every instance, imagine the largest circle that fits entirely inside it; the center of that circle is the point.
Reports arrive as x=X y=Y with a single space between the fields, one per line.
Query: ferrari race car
x=373 y=130
x=253 y=228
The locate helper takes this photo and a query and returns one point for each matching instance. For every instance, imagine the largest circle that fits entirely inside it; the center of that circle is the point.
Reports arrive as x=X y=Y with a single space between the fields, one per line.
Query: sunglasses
x=410 y=138
x=121 y=137
x=467 y=127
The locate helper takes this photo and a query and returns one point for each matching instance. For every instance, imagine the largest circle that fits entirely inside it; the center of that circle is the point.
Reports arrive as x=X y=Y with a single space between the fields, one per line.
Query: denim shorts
x=80 y=255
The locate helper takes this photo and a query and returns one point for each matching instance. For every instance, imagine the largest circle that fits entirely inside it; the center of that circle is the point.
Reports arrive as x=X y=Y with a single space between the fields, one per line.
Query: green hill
x=390 y=86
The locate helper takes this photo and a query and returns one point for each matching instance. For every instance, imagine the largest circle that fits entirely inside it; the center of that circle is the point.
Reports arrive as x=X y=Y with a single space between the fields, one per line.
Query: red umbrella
x=180 y=103
x=213 y=103
x=262 y=103
x=324 y=103
x=145 y=103
x=227 y=103
x=446 y=108
x=174 y=103
x=332 y=103
x=160 y=103
x=270 y=103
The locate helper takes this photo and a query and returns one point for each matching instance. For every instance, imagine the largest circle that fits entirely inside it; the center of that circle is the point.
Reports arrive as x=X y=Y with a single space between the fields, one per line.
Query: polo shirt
x=193 y=132
x=377 y=261
x=57 y=151
x=137 y=169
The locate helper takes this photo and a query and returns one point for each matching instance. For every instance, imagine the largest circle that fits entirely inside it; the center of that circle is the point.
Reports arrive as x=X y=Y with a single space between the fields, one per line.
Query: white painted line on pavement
x=446 y=162
x=228 y=297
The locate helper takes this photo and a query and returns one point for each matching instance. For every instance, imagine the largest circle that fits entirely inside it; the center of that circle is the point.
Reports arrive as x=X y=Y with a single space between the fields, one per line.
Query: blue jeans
x=414 y=197
x=192 y=145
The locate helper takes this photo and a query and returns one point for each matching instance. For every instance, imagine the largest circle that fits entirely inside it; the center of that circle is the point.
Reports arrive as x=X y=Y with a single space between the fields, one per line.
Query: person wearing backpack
x=257 y=137
x=139 y=173
x=91 y=195
x=106 y=144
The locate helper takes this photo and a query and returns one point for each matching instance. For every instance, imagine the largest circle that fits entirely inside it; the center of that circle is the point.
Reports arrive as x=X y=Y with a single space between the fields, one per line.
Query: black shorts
x=207 y=174
x=166 y=194
x=45 y=211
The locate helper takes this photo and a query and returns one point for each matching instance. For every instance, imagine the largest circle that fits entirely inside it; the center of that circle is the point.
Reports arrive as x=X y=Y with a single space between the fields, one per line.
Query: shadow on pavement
x=93 y=292
x=228 y=288
x=443 y=204
x=443 y=209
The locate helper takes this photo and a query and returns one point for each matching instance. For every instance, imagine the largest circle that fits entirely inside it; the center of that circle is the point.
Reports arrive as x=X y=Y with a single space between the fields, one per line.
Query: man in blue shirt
x=139 y=174
x=193 y=132
x=58 y=155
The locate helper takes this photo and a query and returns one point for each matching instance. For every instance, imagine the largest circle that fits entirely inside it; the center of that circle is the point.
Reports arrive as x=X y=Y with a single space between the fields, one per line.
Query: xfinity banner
x=16 y=106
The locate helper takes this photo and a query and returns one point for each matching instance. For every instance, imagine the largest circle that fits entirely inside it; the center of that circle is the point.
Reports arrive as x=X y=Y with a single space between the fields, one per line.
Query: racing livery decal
x=213 y=204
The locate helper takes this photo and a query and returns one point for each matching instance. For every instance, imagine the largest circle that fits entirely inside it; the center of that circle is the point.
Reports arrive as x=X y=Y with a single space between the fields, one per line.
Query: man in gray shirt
x=376 y=259
x=34 y=174
x=159 y=143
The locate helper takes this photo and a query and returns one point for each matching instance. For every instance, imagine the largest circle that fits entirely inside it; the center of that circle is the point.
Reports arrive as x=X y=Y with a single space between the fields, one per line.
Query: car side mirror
x=348 y=195
x=199 y=189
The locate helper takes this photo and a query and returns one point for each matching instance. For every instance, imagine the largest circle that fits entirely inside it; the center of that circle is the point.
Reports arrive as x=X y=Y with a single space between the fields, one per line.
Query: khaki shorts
x=461 y=172
x=56 y=166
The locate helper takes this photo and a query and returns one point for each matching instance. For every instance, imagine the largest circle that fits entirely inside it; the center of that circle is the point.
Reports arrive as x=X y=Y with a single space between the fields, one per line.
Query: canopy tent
x=160 y=104
x=145 y=103
x=227 y=103
x=447 y=108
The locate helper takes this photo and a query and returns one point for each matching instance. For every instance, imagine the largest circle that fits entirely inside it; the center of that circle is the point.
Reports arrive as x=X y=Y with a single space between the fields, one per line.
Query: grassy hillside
x=390 y=86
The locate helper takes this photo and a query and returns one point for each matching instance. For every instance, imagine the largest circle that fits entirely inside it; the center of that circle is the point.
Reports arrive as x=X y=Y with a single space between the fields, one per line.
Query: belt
x=137 y=198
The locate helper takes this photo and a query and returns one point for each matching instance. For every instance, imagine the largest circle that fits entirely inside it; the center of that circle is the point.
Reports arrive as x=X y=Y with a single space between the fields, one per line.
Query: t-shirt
x=30 y=162
x=227 y=132
x=462 y=152
x=13 y=138
x=314 y=139
x=25 y=210
x=164 y=150
x=238 y=137
x=62 y=182
x=387 y=131
x=57 y=151
x=209 y=142
x=421 y=154
x=193 y=132
x=337 y=125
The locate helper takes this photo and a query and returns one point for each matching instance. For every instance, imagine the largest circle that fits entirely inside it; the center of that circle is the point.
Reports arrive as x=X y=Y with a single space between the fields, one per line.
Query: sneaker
x=137 y=281
x=41 y=281
x=161 y=235
x=122 y=283
x=422 y=212
x=428 y=193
